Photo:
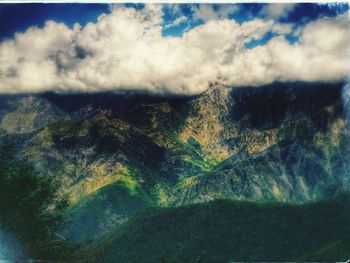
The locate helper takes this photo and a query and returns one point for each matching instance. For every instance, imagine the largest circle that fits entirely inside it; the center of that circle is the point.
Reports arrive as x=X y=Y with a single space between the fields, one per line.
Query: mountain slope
x=230 y=231
x=281 y=142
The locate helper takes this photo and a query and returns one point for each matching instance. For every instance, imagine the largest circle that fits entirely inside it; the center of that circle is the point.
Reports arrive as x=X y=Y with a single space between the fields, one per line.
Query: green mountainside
x=232 y=231
x=115 y=155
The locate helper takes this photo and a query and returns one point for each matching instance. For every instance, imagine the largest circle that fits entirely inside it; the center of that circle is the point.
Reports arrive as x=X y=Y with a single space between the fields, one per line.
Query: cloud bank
x=125 y=50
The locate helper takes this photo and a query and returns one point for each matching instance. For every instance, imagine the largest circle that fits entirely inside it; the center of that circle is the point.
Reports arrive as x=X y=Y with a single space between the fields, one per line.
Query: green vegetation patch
x=230 y=231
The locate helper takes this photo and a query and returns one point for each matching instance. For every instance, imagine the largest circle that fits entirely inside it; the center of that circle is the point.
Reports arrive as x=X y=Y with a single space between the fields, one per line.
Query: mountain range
x=132 y=164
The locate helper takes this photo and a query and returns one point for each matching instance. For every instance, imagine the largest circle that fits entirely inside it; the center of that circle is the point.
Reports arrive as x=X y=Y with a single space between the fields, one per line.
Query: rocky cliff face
x=115 y=154
x=276 y=143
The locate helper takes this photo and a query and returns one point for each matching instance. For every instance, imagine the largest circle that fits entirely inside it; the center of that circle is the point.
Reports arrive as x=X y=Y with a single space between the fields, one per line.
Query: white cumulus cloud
x=125 y=50
x=210 y=12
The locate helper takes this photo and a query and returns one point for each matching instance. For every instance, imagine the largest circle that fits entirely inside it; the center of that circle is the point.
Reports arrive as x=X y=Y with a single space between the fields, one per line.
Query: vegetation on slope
x=29 y=208
x=224 y=231
x=115 y=155
x=92 y=217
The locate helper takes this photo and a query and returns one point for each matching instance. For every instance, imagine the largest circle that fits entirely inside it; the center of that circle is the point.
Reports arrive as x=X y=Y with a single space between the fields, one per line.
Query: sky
x=169 y=48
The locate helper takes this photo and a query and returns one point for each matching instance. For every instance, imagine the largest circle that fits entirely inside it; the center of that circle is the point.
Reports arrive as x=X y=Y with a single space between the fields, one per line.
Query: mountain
x=117 y=154
x=232 y=231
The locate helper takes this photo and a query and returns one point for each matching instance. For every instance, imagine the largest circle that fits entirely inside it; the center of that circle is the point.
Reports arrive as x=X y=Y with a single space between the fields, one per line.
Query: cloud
x=207 y=12
x=125 y=50
x=178 y=21
x=277 y=10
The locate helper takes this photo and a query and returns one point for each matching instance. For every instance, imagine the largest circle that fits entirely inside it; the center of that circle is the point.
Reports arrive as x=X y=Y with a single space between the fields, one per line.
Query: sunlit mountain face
x=174 y=132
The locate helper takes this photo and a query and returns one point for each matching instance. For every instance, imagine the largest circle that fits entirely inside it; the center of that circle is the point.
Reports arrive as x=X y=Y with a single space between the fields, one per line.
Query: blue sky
x=18 y=17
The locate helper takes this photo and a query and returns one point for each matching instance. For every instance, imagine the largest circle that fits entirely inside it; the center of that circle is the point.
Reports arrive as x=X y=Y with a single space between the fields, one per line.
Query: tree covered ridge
x=223 y=231
x=30 y=207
